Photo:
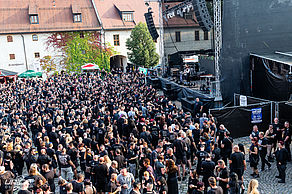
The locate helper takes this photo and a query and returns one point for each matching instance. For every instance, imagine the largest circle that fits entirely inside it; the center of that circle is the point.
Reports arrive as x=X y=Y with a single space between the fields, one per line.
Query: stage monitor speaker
x=190 y=98
x=151 y=26
x=202 y=15
x=168 y=86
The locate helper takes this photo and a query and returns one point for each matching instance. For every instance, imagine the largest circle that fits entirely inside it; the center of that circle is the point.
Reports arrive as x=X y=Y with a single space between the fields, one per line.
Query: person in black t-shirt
x=222 y=175
x=201 y=155
x=208 y=167
x=180 y=150
x=281 y=158
x=24 y=188
x=255 y=132
x=287 y=138
x=270 y=135
x=132 y=157
x=198 y=107
x=226 y=147
x=263 y=142
x=278 y=130
x=237 y=162
x=49 y=176
x=77 y=184
x=100 y=175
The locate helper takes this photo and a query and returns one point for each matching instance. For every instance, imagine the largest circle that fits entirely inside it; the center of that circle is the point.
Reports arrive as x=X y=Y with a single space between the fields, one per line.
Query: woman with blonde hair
x=107 y=161
x=34 y=176
x=18 y=141
x=253 y=187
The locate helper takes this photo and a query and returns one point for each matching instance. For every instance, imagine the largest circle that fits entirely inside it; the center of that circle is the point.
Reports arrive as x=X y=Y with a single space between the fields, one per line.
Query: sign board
x=143 y=70
x=242 y=100
x=191 y=59
x=256 y=115
x=178 y=10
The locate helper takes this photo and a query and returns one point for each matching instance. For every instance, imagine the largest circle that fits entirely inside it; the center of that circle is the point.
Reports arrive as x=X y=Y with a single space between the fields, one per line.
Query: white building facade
x=21 y=52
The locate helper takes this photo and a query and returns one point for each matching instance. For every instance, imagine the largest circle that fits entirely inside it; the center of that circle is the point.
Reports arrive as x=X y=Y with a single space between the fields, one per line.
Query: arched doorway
x=118 y=62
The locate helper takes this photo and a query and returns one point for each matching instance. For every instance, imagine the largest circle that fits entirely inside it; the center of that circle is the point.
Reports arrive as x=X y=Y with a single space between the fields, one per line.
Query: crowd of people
x=98 y=133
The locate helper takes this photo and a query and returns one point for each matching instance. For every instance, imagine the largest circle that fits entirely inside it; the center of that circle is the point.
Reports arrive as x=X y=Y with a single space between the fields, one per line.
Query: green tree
x=142 y=47
x=48 y=64
x=80 y=48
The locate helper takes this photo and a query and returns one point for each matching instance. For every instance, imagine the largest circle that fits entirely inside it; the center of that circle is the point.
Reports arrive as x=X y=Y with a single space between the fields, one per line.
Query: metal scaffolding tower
x=218 y=47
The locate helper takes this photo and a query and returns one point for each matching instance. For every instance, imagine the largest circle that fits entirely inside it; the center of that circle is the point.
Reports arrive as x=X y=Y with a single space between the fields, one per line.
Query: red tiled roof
x=109 y=13
x=123 y=7
x=14 y=16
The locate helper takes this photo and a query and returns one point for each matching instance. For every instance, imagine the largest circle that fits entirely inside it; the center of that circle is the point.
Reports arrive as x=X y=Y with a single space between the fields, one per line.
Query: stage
x=182 y=93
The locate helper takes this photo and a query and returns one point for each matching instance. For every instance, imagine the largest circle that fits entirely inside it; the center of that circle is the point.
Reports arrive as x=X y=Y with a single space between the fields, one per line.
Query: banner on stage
x=256 y=115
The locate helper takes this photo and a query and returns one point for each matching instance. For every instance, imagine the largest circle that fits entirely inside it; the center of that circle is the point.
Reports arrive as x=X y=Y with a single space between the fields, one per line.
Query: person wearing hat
x=281 y=158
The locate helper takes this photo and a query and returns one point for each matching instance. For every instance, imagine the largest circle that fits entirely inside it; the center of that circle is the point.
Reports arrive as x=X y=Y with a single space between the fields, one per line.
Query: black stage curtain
x=238 y=119
x=183 y=92
x=267 y=84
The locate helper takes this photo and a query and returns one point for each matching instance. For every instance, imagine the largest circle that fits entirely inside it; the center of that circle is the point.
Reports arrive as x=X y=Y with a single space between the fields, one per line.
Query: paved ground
x=268 y=184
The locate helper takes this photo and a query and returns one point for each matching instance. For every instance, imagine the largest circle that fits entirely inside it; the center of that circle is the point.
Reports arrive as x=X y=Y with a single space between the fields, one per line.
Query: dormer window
x=76 y=11
x=34 y=19
x=33 y=14
x=127 y=17
x=125 y=11
x=77 y=18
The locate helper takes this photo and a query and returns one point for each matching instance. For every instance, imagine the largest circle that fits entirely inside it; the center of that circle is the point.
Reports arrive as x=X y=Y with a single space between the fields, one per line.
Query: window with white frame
x=127 y=17
x=34 y=19
x=35 y=37
x=77 y=18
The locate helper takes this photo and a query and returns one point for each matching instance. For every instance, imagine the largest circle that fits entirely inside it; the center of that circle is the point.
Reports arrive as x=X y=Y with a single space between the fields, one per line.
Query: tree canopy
x=80 y=48
x=142 y=48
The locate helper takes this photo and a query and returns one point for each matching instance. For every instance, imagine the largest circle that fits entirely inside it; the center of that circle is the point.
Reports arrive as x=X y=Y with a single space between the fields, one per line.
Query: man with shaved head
x=237 y=162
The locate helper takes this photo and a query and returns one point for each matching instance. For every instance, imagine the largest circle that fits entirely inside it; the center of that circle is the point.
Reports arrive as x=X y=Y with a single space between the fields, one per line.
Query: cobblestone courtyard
x=268 y=183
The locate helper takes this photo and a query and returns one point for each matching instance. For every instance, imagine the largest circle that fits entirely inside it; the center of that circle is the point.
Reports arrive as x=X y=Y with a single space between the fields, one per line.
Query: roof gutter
x=98 y=18
x=96 y=12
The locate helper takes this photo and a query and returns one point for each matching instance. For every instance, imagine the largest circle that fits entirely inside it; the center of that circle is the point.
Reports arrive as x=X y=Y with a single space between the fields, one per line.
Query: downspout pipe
x=24 y=50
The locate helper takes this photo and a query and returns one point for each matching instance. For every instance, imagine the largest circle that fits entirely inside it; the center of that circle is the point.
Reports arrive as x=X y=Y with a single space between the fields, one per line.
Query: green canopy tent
x=30 y=73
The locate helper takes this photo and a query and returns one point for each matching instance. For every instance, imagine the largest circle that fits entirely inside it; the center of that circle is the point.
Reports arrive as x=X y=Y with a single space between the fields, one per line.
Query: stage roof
x=277 y=56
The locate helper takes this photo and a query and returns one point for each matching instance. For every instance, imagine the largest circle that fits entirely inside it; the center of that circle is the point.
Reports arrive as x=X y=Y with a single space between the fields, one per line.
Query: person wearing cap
x=281 y=158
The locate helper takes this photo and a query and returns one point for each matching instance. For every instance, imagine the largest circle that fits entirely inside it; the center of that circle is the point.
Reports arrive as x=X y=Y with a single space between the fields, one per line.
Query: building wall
x=16 y=47
x=188 y=42
x=124 y=35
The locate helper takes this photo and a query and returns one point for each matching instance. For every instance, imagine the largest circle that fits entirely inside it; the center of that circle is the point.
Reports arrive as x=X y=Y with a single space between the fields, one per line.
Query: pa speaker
x=202 y=15
x=151 y=26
